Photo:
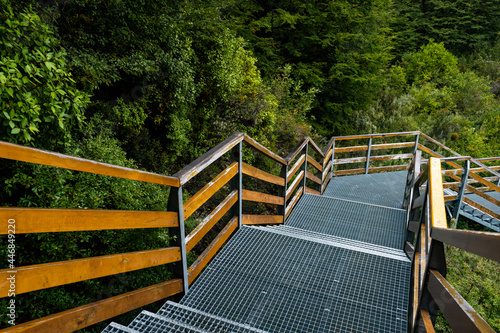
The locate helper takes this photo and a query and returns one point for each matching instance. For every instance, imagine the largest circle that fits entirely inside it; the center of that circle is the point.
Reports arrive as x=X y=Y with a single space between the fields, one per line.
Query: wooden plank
x=372 y=170
x=262 y=175
x=438 y=211
x=314 y=163
x=484 y=181
x=434 y=154
x=38 y=156
x=43 y=276
x=257 y=146
x=374 y=147
x=426 y=318
x=327 y=156
x=481 y=208
x=211 y=250
x=263 y=197
x=295 y=168
x=485 y=244
x=313 y=178
x=208 y=222
x=198 y=165
x=297 y=150
x=294 y=201
x=209 y=189
x=326 y=171
x=373 y=158
x=262 y=219
x=378 y=135
x=450 y=197
x=439 y=144
x=90 y=314
x=325 y=184
x=459 y=314
x=36 y=220
x=311 y=191
x=328 y=147
x=481 y=194
x=294 y=185
x=316 y=148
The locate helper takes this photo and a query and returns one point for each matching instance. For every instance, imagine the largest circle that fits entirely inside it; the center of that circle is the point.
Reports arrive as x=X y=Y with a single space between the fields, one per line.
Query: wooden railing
x=300 y=172
x=427 y=234
x=296 y=168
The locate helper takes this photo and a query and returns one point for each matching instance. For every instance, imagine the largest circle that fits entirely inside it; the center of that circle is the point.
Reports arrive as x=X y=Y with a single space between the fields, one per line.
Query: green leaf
x=50 y=65
x=15 y=130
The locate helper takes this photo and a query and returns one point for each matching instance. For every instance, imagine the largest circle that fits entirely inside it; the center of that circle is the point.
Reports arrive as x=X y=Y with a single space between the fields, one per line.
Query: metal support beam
x=415 y=148
x=461 y=192
x=333 y=158
x=236 y=182
x=304 y=166
x=177 y=235
x=282 y=192
x=368 y=152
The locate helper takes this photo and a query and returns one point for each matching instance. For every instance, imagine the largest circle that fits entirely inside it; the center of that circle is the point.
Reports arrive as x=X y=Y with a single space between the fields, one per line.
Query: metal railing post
x=177 y=235
x=237 y=181
x=304 y=166
x=415 y=148
x=368 y=153
x=333 y=158
x=461 y=192
x=282 y=191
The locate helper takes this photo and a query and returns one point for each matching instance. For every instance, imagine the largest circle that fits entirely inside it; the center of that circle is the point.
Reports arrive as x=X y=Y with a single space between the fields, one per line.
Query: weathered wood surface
x=315 y=147
x=43 y=276
x=209 y=189
x=262 y=197
x=481 y=208
x=43 y=157
x=325 y=183
x=313 y=178
x=295 y=168
x=296 y=151
x=294 y=201
x=372 y=158
x=460 y=315
x=262 y=175
x=438 y=211
x=90 y=314
x=327 y=158
x=311 y=191
x=426 y=318
x=254 y=144
x=328 y=146
x=294 y=185
x=371 y=170
x=198 y=165
x=374 y=147
x=208 y=222
x=326 y=171
x=485 y=244
x=314 y=163
x=379 y=135
x=211 y=250
x=262 y=219
x=36 y=220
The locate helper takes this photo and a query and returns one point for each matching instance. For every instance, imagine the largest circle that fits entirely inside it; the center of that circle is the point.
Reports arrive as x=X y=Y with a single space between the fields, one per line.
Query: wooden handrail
x=254 y=144
x=377 y=135
x=296 y=151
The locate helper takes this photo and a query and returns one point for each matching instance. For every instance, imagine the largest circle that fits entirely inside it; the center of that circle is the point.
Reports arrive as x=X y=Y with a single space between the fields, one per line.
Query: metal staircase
x=336 y=265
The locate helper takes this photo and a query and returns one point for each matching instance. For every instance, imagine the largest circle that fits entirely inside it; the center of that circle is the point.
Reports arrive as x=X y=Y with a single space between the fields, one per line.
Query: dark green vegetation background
x=155 y=84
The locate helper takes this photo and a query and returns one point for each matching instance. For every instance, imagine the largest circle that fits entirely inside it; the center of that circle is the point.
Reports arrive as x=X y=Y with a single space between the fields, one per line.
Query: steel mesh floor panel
x=151 y=322
x=279 y=283
x=483 y=202
x=348 y=219
x=385 y=189
x=117 y=328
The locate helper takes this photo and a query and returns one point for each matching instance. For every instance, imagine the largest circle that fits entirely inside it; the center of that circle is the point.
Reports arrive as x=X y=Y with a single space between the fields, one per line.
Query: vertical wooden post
x=177 y=235
x=282 y=192
x=236 y=182
x=368 y=152
x=304 y=165
x=461 y=192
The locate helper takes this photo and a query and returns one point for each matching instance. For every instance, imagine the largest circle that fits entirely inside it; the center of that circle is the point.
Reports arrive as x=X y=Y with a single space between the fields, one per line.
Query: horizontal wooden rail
x=262 y=175
x=485 y=244
x=372 y=158
x=315 y=147
x=262 y=197
x=36 y=220
x=208 y=158
x=208 y=222
x=37 y=156
x=481 y=208
x=209 y=189
x=371 y=170
x=211 y=250
x=262 y=219
x=90 y=314
x=254 y=144
x=314 y=163
x=326 y=182
x=311 y=191
x=374 y=147
x=328 y=156
x=295 y=168
x=296 y=151
x=37 y=277
x=312 y=177
x=378 y=135
x=326 y=171
x=294 y=185
x=294 y=201
x=483 y=195
x=460 y=315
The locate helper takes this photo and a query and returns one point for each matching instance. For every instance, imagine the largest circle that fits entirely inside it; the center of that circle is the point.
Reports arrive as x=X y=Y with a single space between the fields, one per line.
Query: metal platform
x=337 y=265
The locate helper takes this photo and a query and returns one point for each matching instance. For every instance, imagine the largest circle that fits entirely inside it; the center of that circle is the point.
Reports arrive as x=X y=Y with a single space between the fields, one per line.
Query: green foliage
x=38 y=96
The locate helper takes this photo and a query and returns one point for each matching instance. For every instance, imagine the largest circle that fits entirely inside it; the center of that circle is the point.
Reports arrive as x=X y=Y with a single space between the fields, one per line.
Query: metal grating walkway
x=337 y=265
